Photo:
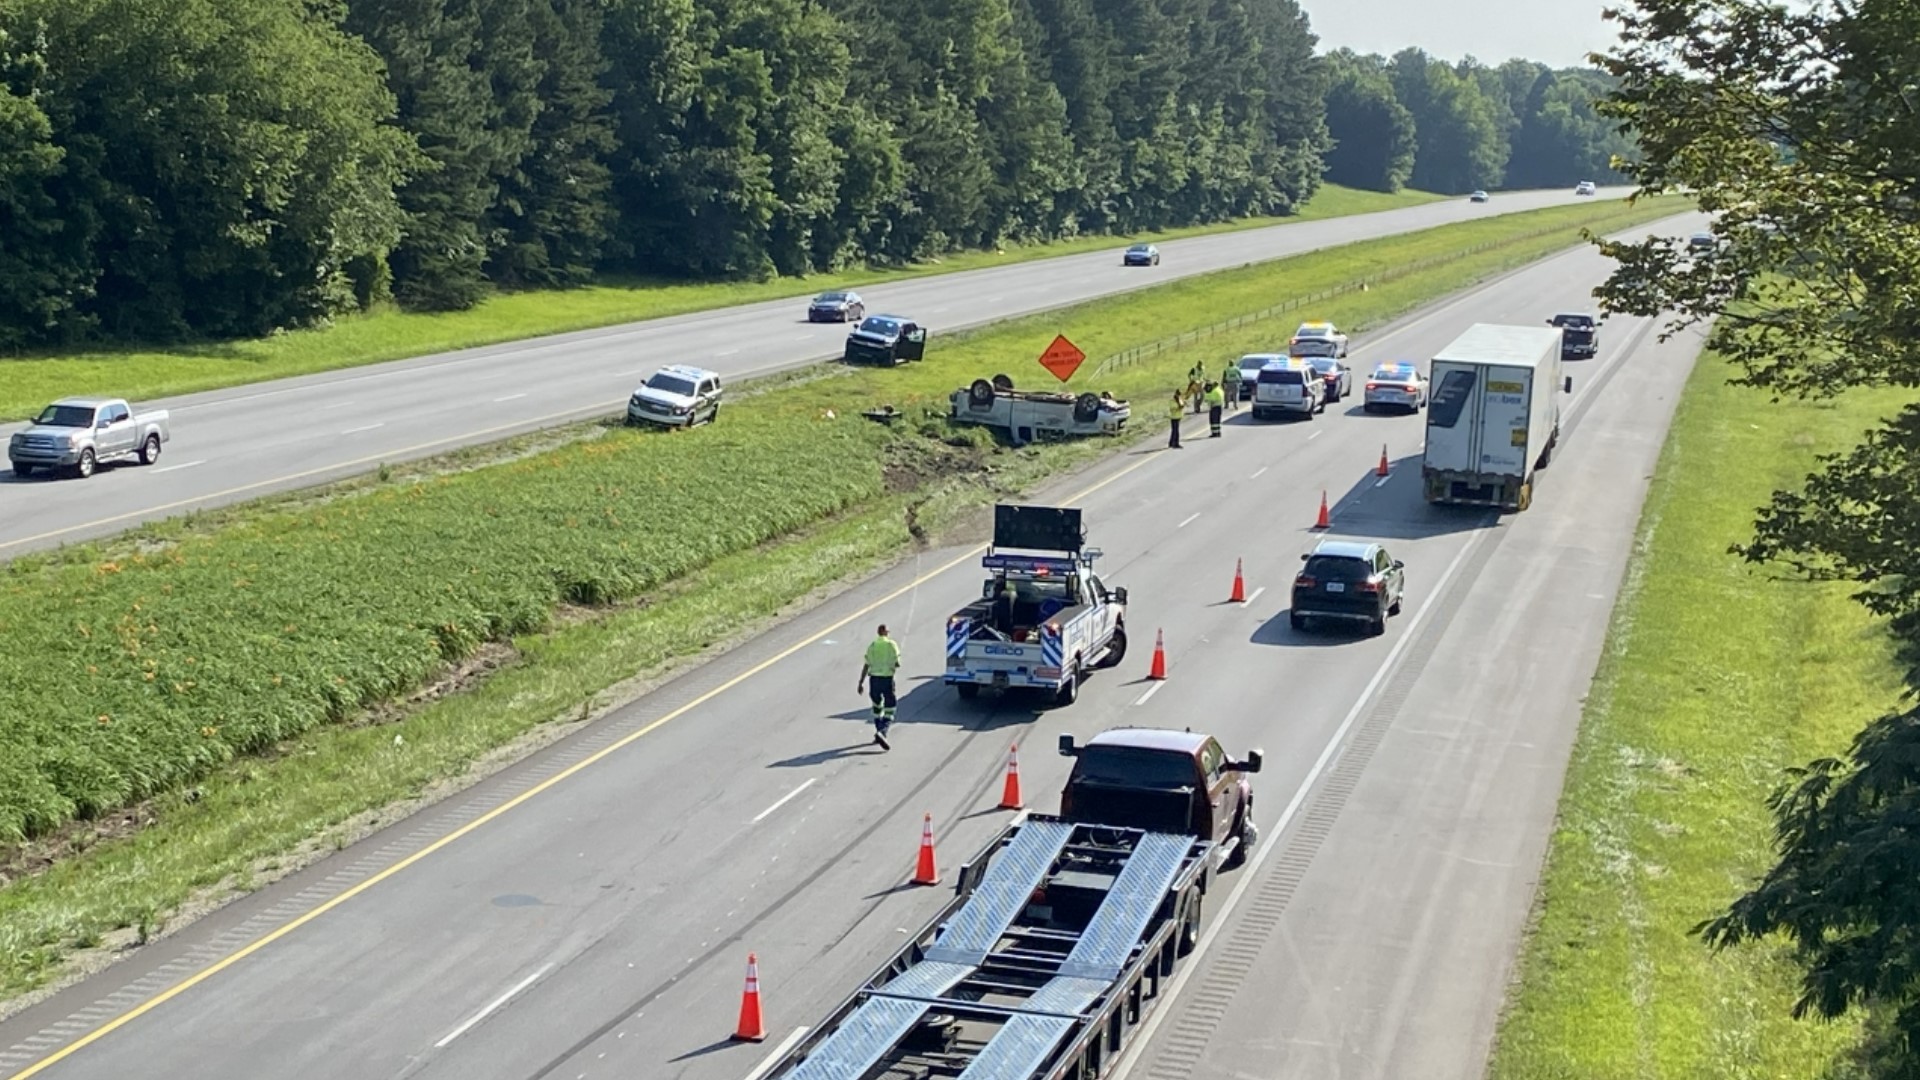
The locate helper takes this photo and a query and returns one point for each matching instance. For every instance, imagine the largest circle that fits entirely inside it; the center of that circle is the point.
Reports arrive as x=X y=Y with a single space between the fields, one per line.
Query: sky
x=1555 y=32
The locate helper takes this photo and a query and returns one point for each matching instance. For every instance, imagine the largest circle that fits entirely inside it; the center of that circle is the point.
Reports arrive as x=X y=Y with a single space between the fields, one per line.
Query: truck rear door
x=1505 y=419
x=1453 y=426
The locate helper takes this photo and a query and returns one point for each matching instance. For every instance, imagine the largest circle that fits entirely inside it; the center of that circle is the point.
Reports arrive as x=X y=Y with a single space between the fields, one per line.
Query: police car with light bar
x=1044 y=618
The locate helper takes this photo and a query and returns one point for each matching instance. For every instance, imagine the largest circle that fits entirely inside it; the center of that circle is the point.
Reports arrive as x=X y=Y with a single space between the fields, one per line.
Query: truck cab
x=1163 y=781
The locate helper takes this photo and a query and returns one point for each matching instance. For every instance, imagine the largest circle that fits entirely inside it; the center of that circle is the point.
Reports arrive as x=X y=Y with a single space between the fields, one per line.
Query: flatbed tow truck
x=1059 y=940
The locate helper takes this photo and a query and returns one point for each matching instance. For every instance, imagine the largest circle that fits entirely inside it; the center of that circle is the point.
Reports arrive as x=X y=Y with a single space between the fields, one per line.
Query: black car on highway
x=1350 y=581
x=837 y=306
x=1338 y=376
x=1579 y=334
x=1141 y=255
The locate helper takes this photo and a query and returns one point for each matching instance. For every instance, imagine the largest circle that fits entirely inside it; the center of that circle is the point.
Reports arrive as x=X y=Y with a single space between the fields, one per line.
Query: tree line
x=179 y=169
x=1414 y=121
x=1794 y=125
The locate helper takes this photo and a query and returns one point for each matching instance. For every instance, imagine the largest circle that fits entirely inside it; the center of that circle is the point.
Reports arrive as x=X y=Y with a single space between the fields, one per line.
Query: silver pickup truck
x=80 y=433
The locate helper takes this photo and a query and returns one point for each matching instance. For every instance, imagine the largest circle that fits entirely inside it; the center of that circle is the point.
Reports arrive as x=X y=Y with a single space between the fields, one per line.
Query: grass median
x=219 y=689
x=27 y=384
x=1717 y=676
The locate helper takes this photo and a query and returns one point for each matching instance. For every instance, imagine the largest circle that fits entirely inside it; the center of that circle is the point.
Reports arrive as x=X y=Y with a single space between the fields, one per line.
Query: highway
x=236 y=444
x=587 y=913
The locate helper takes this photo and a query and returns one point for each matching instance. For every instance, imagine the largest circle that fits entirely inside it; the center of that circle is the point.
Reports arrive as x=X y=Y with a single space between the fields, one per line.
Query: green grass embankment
x=27 y=384
x=156 y=668
x=1717 y=676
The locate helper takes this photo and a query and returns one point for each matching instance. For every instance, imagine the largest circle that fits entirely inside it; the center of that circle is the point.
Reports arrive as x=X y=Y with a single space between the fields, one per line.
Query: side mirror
x=1303 y=556
x=1252 y=764
x=1067 y=749
x=101 y=424
x=1569 y=385
x=1120 y=594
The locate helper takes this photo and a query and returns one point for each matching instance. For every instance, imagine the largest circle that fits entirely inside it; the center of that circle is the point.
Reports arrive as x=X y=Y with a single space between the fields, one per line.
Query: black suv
x=1351 y=581
x=1579 y=334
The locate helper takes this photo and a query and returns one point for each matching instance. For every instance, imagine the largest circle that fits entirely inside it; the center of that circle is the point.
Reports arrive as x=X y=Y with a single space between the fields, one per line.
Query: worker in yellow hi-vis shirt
x=882 y=663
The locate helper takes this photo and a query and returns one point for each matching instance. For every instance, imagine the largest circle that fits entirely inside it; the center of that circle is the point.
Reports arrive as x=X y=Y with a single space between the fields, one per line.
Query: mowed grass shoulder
x=1717 y=676
x=28 y=383
x=156 y=666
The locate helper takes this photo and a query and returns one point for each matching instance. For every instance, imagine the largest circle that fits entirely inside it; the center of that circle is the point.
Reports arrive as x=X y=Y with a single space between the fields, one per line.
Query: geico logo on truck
x=1004 y=650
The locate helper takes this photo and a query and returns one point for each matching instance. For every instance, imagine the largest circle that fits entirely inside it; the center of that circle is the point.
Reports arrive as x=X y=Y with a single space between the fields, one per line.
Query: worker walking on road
x=1174 y=412
x=1230 y=382
x=1196 y=382
x=1216 y=402
x=882 y=663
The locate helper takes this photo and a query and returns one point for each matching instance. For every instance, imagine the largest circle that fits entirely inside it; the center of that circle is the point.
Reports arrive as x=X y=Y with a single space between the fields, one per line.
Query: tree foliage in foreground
x=1800 y=130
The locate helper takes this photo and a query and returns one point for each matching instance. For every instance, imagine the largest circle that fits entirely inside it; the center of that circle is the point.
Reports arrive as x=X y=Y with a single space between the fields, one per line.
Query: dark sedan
x=841 y=306
x=1338 y=376
x=1141 y=255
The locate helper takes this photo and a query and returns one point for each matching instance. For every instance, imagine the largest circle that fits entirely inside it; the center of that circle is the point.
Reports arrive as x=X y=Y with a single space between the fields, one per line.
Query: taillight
x=1373 y=386
x=1304 y=582
x=1370 y=585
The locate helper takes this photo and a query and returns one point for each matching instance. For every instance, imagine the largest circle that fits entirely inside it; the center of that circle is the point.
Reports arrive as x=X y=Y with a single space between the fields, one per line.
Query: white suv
x=1288 y=387
x=676 y=396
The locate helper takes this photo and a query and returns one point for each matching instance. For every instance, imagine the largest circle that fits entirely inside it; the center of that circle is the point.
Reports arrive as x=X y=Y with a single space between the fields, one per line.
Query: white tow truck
x=1042 y=620
x=1027 y=415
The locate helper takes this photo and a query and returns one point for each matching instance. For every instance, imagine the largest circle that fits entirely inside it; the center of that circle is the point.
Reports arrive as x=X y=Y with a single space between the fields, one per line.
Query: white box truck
x=1493 y=415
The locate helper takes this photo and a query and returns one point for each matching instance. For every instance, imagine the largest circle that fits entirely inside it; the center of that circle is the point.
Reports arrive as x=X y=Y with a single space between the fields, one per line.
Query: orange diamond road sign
x=1063 y=358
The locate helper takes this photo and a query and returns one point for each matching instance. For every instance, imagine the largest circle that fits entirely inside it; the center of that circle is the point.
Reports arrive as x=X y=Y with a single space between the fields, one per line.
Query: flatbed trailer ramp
x=1040 y=969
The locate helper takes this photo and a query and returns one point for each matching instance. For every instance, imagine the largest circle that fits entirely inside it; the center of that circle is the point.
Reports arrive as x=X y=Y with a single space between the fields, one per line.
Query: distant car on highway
x=1141 y=255
x=1585 y=187
x=1250 y=366
x=1478 y=196
x=886 y=339
x=837 y=306
x=1313 y=334
x=1397 y=386
x=1579 y=334
x=1338 y=377
x=676 y=396
x=79 y=433
x=1349 y=581
x=1701 y=241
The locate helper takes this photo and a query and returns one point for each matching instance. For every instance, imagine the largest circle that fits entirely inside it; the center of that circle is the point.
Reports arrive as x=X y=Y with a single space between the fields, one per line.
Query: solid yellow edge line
x=269 y=938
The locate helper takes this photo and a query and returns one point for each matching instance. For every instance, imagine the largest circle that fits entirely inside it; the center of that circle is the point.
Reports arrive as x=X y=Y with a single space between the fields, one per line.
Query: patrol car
x=1313 y=338
x=676 y=396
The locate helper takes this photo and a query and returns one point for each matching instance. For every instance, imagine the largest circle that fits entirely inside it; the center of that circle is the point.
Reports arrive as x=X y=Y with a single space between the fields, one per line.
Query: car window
x=116 y=413
x=1337 y=568
x=880 y=326
x=1130 y=766
x=1212 y=760
x=65 y=416
x=671 y=384
x=1380 y=561
x=1283 y=376
x=1450 y=397
x=1392 y=373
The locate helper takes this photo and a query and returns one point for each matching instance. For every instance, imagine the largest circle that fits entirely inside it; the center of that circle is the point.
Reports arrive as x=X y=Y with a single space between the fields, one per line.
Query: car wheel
x=1069 y=691
x=714 y=416
x=1296 y=620
x=1190 y=929
x=1394 y=609
x=1379 y=624
x=85 y=468
x=150 y=450
x=968 y=690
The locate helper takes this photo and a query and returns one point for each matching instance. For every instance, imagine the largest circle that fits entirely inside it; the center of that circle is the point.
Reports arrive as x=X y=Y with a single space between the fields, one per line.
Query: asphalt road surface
x=231 y=445
x=588 y=913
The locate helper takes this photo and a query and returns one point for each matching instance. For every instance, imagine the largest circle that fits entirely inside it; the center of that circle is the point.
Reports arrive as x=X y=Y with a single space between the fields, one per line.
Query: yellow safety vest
x=1176 y=410
x=883 y=657
x=1216 y=396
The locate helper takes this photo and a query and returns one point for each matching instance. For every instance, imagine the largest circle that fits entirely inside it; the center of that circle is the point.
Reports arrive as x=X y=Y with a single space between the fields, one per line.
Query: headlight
x=74 y=440
x=682 y=410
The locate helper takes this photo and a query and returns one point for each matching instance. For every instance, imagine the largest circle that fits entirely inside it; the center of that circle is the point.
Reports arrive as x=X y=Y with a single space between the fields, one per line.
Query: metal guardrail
x=1142 y=352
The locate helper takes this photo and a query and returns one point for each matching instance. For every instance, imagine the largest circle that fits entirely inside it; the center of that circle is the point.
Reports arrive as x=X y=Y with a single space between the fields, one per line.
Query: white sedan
x=1396 y=386
x=1317 y=333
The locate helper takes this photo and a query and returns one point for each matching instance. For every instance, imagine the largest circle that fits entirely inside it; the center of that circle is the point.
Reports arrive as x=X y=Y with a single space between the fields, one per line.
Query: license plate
x=1335 y=586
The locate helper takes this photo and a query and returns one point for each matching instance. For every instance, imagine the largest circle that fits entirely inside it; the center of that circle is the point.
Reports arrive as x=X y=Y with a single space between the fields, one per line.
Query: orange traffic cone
x=1239 y=584
x=1010 y=795
x=752 y=1027
x=1382 y=470
x=1325 y=521
x=1159 y=668
x=926 y=873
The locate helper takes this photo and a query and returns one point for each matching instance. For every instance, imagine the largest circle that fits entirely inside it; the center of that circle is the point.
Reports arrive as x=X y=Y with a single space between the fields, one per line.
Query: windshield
x=1130 y=766
x=831 y=298
x=1324 y=365
x=1312 y=331
x=1139 y=249
x=883 y=327
x=1573 y=322
x=1394 y=372
x=1284 y=376
x=65 y=416
x=1337 y=568
x=1255 y=363
x=672 y=384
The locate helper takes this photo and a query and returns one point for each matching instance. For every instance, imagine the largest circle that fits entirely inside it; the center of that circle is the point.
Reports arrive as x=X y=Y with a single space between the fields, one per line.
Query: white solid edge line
x=1251 y=597
x=1151 y=690
x=784 y=799
x=177 y=468
x=786 y=1044
x=1257 y=473
x=1188 y=522
x=488 y=1011
x=1251 y=868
